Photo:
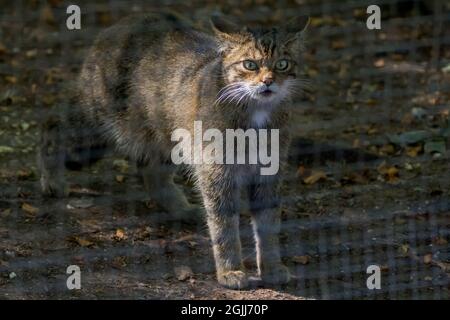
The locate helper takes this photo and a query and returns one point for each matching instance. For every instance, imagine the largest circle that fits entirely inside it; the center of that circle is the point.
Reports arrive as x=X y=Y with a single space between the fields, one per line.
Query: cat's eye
x=250 y=65
x=282 y=65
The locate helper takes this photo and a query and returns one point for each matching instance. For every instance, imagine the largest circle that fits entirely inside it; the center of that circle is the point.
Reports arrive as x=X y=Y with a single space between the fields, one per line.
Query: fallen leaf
x=301 y=171
x=119 y=262
x=82 y=203
x=24 y=174
x=446 y=69
x=445 y=266
x=120 y=235
x=404 y=249
x=90 y=225
x=6 y=149
x=440 y=241
x=4 y=233
x=312 y=72
x=48 y=99
x=28 y=208
x=428 y=258
x=371 y=131
x=414 y=151
x=11 y=79
x=3 y=49
x=81 y=241
x=315 y=176
x=372 y=102
x=143 y=233
x=384 y=267
x=407 y=119
x=430 y=99
x=4 y=264
x=390 y=174
x=355 y=177
x=418 y=113
x=187 y=238
x=121 y=165
x=6 y=212
x=379 y=63
x=24 y=126
x=338 y=44
x=316 y=21
x=151 y=204
x=55 y=3
x=183 y=273
x=31 y=53
x=120 y=178
x=399 y=221
x=47 y=15
x=387 y=149
x=104 y=18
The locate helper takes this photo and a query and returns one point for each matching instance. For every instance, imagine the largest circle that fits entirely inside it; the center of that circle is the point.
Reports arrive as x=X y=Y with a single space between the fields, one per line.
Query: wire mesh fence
x=368 y=179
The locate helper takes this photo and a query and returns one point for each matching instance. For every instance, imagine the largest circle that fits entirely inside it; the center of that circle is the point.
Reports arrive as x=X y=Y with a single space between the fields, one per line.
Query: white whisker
x=232 y=92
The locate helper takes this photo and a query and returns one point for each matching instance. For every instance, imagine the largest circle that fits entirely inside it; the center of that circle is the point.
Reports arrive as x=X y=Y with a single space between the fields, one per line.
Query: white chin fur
x=263 y=106
x=260 y=118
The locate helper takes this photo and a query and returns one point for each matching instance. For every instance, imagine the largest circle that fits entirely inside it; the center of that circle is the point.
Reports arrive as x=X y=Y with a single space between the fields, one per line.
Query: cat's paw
x=278 y=274
x=235 y=280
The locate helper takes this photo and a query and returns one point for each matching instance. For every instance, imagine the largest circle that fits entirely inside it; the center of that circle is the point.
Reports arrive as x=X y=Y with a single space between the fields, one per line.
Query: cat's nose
x=268 y=81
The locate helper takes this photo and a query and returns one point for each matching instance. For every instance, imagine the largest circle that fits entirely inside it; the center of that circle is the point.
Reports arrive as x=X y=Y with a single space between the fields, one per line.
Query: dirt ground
x=368 y=180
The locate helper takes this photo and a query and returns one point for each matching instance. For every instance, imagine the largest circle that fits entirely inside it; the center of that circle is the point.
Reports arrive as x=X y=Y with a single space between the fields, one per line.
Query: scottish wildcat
x=147 y=76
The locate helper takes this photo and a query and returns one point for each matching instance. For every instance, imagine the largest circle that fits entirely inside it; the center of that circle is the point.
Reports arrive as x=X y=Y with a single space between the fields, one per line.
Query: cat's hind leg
x=66 y=143
x=265 y=212
x=51 y=158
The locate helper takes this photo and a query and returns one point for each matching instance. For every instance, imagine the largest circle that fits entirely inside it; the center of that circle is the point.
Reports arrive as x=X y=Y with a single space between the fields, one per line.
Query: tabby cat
x=149 y=75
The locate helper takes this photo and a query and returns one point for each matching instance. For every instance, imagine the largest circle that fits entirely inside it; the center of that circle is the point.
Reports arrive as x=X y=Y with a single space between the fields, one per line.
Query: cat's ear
x=227 y=30
x=295 y=28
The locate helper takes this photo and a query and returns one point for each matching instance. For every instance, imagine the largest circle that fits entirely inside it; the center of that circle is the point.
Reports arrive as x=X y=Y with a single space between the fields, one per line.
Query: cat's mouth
x=266 y=93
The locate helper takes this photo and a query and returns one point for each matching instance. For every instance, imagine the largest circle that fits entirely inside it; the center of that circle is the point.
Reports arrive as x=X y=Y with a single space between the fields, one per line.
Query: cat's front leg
x=265 y=211
x=221 y=199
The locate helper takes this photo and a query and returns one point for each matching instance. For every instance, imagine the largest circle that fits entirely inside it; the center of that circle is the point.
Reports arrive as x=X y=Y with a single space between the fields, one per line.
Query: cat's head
x=260 y=65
